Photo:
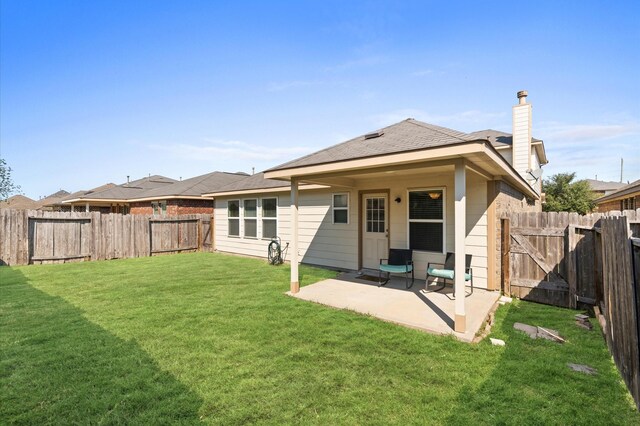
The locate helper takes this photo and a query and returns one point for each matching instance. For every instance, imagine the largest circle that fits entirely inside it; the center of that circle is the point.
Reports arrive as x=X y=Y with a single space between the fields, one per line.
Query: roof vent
x=373 y=135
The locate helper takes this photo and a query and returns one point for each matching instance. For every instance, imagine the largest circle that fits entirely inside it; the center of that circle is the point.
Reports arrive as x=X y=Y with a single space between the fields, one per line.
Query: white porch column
x=86 y=208
x=295 y=280
x=460 y=234
x=72 y=208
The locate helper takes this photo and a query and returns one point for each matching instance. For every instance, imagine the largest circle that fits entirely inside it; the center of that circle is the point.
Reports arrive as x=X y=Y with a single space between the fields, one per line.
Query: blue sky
x=91 y=92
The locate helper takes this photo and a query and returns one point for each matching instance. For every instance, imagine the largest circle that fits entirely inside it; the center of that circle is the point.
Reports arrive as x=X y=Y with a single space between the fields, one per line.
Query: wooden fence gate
x=554 y=258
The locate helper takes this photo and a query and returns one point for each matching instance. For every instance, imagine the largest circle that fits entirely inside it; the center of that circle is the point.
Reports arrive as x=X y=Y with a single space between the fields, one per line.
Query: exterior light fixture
x=398 y=200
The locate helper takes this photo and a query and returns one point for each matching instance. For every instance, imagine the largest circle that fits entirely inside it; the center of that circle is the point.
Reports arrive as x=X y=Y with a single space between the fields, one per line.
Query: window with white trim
x=233 y=217
x=250 y=214
x=340 y=207
x=269 y=217
x=426 y=220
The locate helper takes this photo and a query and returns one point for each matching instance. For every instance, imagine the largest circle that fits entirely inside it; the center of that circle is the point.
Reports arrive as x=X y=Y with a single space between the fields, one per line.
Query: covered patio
x=425 y=310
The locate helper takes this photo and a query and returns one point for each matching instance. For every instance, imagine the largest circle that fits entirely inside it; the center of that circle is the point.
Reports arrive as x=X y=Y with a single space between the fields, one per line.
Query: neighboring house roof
x=54 y=199
x=125 y=191
x=602 y=186
x=19 y=202
x=193 y=187
x=85 y=192
x=631 y=189
x=407 y=135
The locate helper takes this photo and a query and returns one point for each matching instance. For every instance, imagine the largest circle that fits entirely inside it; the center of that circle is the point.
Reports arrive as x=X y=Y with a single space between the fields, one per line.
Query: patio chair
x=447 y=271
x=400 y=261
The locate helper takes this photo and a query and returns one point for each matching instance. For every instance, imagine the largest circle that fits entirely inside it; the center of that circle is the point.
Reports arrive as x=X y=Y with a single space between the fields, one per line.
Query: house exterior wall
x=175 y=207
x=607 y=206
x=336 y=245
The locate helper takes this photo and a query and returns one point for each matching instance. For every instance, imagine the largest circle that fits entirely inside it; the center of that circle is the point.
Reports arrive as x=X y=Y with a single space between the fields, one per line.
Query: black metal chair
x=447 y=272
x=400 y=261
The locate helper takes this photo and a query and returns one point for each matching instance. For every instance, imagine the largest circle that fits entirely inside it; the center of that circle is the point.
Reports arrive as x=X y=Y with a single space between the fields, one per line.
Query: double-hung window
x=233 y=213
x=340 y=205
x=269 y=217
x=250 y=208
x=426 y=220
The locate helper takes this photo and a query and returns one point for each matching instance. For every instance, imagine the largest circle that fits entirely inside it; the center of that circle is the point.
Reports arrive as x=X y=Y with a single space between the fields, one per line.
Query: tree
x=7 y=187
x=564 y=195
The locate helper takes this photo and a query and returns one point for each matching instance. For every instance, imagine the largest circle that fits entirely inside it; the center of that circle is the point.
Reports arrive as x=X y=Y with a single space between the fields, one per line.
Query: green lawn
x=212 y=338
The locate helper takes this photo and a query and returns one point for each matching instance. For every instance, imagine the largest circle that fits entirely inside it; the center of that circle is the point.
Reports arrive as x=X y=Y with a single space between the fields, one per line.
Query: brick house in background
x=625 y=198
x=115 y=199
x=183 y=197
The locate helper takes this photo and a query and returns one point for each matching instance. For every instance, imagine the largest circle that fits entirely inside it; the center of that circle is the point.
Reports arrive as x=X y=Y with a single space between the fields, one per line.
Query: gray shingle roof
x=406 y=135
x=629 y=189
x=53 y=199
x=600 y=185
x=256 y=181
x=195 y=186
x=85 y=192
x=497 y=138
x=130 y=190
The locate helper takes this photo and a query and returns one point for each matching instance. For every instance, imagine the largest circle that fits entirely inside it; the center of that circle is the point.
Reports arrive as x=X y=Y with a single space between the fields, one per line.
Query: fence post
x=505 y=260
x=571 y=265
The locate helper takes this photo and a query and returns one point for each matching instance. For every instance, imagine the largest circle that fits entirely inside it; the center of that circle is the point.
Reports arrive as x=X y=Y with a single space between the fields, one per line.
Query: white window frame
x=234 y=218
x=443 y=220
x=334 y=208
x=262 y=218
x=244 y=218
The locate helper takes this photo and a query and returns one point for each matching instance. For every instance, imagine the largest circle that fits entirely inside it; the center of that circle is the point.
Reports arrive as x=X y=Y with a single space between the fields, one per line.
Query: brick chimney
x=522 y=135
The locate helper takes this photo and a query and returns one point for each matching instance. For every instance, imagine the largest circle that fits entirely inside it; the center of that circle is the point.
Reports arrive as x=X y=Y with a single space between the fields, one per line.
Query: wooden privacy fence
x=29 y=236
x=555 y=258
x=566 y=259
x=620 y=304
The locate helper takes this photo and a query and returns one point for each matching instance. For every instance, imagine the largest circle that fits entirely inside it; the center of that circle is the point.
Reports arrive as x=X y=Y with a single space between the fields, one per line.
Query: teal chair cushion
x=396 y=269
x=445 y=273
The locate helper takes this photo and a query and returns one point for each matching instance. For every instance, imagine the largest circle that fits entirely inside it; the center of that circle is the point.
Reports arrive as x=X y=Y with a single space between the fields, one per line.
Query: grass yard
x=212 y=338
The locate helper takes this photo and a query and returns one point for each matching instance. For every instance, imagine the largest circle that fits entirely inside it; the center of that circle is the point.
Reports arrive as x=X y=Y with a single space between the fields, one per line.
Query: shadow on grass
x=531 y=383
x=57 y=367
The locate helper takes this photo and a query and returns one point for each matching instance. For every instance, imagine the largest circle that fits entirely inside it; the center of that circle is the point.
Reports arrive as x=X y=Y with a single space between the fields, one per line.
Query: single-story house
x=625 y=198
x=183 y=197
x=409 y=185
x=115 y=199
x=157 y=195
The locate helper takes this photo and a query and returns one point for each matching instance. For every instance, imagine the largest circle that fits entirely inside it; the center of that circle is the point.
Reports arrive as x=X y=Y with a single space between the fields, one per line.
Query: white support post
x=86 y=208
x=460 y=220
x=295 y=280
x=72 y=208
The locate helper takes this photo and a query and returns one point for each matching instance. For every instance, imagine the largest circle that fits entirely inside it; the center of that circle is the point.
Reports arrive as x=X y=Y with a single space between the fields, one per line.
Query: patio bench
x=447 y=272
x=400 y=261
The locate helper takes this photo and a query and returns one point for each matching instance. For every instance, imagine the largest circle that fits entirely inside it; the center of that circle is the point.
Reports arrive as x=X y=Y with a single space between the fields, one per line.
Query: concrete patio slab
x=427 y=310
